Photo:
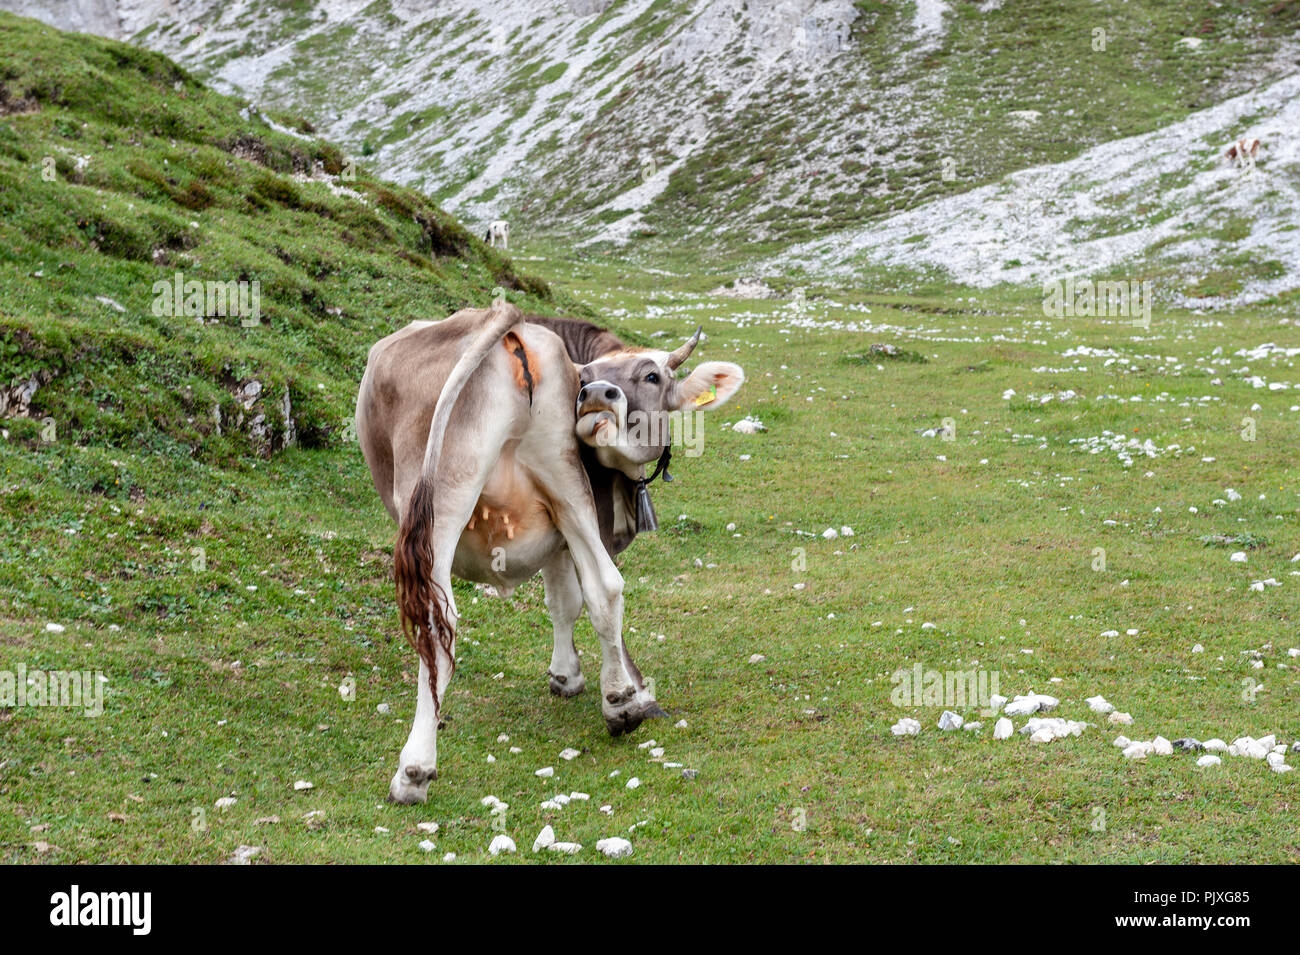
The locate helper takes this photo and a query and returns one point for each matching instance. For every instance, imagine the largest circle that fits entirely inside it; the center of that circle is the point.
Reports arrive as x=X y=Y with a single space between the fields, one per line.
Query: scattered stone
x=570 y=753
x=1120 y=719
x=1188 y=744
x=756 y=658
x=225 y=802
x=1098 y=704
x=1003 y=728
x=690 y=773
x=500 y=844
x=545 y=839
x=1215 y=745
x=1030 y=703
x=1162 y=747
x=545 y=772
x=1209 y=759
x=244 y=855
x=302 y=785
x=950 y=721
x=615 y=847
x=906 y=727
x=633 y=783
x=427 y=845
x=568 y=848
x=972 y=727
x=429 y=827
x=1137 y=750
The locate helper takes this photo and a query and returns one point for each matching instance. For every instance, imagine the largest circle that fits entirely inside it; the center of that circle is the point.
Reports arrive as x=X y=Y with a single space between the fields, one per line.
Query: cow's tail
x=420 y=599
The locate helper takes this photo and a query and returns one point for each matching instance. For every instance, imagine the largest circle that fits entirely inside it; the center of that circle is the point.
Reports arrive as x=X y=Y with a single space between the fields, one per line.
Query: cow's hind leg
x=564 y=603
x=472 y=461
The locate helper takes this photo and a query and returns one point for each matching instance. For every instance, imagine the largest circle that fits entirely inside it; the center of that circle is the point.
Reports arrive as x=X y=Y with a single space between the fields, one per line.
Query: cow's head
x=626 y=401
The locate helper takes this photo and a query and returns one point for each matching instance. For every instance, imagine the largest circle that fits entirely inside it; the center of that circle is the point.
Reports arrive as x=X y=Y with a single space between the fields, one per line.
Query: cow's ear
x=709 y=386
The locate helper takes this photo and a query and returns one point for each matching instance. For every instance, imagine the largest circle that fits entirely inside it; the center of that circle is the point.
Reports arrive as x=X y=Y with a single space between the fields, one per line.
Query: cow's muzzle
x=600 y=396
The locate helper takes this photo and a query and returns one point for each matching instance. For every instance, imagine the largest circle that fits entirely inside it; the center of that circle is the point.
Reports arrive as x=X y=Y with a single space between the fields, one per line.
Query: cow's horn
x=683 y=353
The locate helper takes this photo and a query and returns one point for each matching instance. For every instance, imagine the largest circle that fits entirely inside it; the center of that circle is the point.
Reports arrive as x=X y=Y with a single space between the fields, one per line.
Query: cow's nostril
x=582 y=392
x=611 y=393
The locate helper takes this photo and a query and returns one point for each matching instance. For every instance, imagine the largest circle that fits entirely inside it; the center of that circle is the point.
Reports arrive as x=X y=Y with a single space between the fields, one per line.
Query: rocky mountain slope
x=744 y=120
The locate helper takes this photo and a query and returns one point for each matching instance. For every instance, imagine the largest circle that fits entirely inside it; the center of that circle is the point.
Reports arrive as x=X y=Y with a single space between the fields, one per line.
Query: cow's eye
x=653 y=378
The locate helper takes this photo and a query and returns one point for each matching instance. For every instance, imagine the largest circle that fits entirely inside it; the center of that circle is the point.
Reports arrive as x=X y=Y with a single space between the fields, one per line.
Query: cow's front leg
x=564 y=603
x=625 y=700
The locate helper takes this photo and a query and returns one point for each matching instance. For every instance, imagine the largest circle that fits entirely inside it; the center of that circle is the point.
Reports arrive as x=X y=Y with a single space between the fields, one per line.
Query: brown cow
x=505 y=446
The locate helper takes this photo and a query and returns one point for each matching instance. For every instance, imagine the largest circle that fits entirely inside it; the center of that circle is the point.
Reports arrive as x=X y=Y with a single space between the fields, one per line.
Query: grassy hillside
x=118 y=170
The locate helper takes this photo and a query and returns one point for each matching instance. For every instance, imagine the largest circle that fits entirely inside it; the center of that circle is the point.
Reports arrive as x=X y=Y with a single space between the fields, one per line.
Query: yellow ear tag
x=707 y=397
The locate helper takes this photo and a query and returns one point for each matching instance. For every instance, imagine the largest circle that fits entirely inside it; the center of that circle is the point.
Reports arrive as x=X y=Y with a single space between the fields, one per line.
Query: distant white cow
x=1243 y=152
x=499 y=229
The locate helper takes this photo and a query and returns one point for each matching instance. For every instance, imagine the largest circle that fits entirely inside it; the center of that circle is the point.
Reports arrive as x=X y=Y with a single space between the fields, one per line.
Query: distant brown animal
x=1243 y=152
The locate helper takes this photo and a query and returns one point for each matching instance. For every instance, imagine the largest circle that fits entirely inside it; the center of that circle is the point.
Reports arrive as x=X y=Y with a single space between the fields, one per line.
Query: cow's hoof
x=411 y=785
x=567 y=686
x=627 y=718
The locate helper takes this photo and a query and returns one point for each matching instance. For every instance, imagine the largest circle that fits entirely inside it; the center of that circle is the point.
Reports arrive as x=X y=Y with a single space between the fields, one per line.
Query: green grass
x=224 y=672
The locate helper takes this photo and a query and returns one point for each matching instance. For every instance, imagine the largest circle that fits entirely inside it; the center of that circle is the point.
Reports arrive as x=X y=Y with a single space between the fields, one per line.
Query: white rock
x=1003 y=728
x=545 y=839
x=54 y=628
x=847 y=531
x=950 y=721
x=615 y=847
x=302 y=785
x=225 y=802
x=633 y=783
x=1119 y=719
x=906 y=727
x=1098 y=704
x=449 y=857
x=830 y=533
x=1277 y=763
x=756 y=658
x=500 y=844
x=997 y=701
x=1162 y=746
x=1198 y=649
x=680 y=724
x=1215 y=745
x=972 y=727
x=1122 y=742
x=427 y=846
x=429 y=827
x=1137 y=750
x=568 y=848
x=1209 y=759
x=570 y=753
x=1043 y=735
x=545 y=772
